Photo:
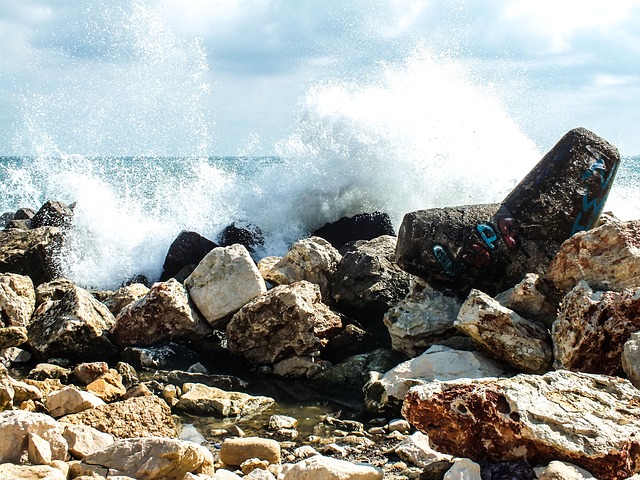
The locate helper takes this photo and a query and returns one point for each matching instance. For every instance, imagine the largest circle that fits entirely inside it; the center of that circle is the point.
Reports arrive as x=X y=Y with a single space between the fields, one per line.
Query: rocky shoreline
x=332 y=362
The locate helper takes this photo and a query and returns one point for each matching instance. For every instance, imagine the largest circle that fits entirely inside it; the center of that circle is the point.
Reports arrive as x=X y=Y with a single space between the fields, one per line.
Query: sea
x=420 y=133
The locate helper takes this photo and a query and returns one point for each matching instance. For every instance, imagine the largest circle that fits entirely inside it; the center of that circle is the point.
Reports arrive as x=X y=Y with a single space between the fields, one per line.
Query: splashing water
x=420 y=134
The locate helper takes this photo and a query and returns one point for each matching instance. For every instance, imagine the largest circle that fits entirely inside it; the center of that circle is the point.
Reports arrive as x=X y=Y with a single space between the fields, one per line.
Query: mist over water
x=419 y=134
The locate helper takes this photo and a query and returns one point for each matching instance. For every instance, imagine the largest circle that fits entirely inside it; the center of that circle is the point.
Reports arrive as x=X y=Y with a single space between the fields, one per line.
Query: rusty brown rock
x=592 y=328
x=592 y=421
x=607 y=258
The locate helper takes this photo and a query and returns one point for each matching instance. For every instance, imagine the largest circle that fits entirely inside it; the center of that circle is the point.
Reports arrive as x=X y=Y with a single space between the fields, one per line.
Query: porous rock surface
x=592 y=421
x=17 y=300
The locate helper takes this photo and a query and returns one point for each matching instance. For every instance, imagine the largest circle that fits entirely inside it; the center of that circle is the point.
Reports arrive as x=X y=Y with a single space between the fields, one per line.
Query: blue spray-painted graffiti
x=444 y=258
x=591 y=208
x=487 y=234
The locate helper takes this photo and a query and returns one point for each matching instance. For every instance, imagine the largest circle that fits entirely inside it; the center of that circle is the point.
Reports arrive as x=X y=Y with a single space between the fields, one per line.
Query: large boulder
x=165 y=312
x=116 y=301
x=363 y=226
x=606 y=257
x=9 y=471
x=70 y=400
x=17 y=300
x=312 y=259
x=368 y=281
x=136 y=417
x=492 y=247
x=592 y=328
x=384 y=393
x=589 y=420
x=531 y=299
x=242 y=233
x=223 y=282
x=200 y=399
x=83 y=440
x=422 y=319
x=76 y=326
x=15 y=428
x=53 y=214
x=522 y=343
x=153 y=458
x=288 y=321
x=187 y=250
x=33 y=253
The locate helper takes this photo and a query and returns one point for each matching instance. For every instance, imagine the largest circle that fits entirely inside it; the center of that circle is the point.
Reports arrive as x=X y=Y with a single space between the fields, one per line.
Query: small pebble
x=399 y=425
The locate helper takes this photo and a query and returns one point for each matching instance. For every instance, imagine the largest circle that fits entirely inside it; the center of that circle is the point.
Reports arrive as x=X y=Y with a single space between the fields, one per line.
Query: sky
x=226 y=77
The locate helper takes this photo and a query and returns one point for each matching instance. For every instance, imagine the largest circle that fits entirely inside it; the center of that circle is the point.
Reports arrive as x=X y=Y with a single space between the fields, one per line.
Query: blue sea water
x=420 y=134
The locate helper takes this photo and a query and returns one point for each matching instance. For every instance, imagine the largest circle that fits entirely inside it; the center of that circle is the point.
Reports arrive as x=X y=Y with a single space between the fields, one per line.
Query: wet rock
x=13 y=337
x=202 y=400
x=24 y=214
x=352 y=340
x=153 y=458
x=53 y=214
x=592 y=328
x=585 y=419
x=84 y=440
x=224 y=382
x=299 y=367
x=492 y=247
x=531 y=299
x=188 y=249
x=223 y=282
x=631 y=358
x=163 y=313
x=368 y=281
x=71 y=400
x=246 y=234
x=124 y=296
x=311 y=259
x=384 y=393
x=521 y=343
x=607 y=258
x=320 y=467
x=136 y=417
x=17 y=300
x=288 y=321
x=422 y=319
x=235 y=451
x=76 y=326
x=363 y=226
x=165 y=355
x=31 y=252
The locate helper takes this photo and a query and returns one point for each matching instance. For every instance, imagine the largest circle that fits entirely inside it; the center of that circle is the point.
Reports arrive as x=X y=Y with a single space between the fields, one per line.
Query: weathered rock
x=15 y=427
x=9 y=471
x=352 y=340
x=563 y=471
x=384 y=393
x=135 y=417
x=368 y=281
x=223 y=282
x=492 y=247
x=53 y=214
x=14 y=355
x=607 y=258
x=189 y=248
x=163 y=313
x=521 y=343
x=592 y=328
x=76 y=326
x=17 y=300
x=84 y=440
x=53 y=290
x=70 y=400
x=234 y=451
x=153 y=458
x=165 y=355
x=243 y=233
x=7 y=390
x=224 y=382
x=108 y=386
x=416 y=450
x=319 y=467
x=631 y=358
x=463 y=469
x=531 y=299
x=44 y=371
x=85 y=373
x=290 y=320
x=312 y=259
x=422 y=319
x=202 y=400
x=24 y=392
x=13 y=337
x=124 y=296
x=299 y=367
x=31 y=252
x=589 y=420
x=363 y=226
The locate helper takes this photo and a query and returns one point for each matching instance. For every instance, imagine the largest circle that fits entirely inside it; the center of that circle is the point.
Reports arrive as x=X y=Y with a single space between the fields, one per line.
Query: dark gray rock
x=188 y=249
x=53 y=214
x=363 y=226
